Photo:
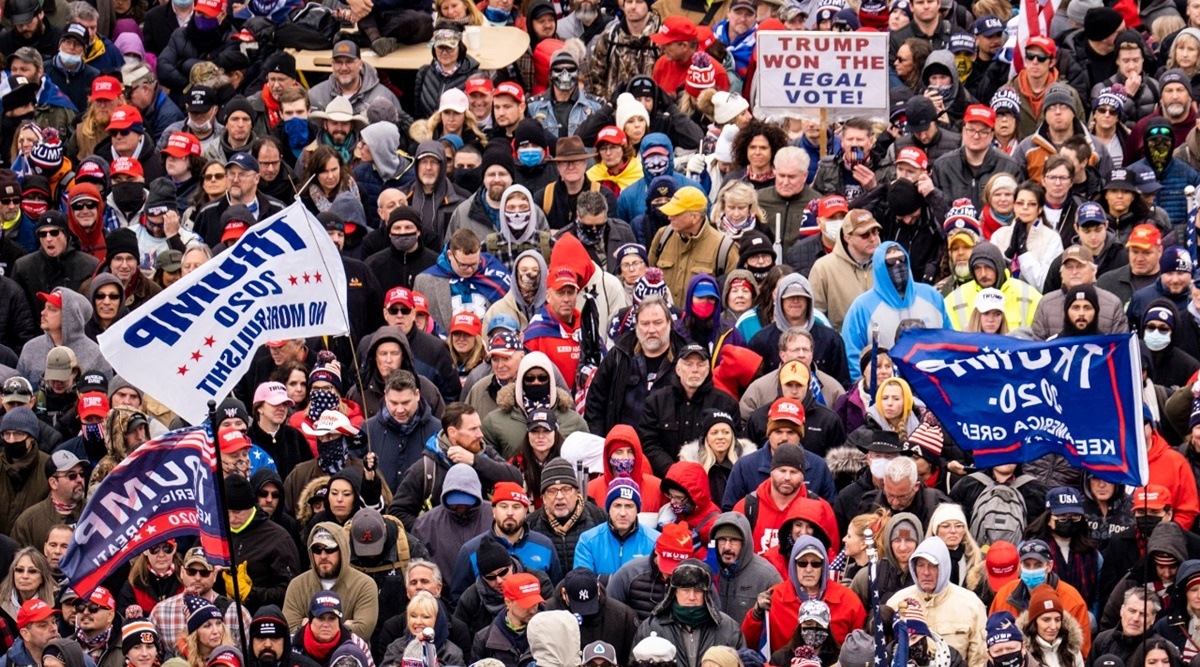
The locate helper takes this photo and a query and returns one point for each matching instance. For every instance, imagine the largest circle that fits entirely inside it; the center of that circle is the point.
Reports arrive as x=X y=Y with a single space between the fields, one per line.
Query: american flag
x=877 y=624
x=1033 y=21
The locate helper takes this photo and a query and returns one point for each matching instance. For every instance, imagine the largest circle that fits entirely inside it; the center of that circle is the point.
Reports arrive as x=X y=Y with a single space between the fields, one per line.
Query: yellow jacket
x=1020 y=302
x=631 y=174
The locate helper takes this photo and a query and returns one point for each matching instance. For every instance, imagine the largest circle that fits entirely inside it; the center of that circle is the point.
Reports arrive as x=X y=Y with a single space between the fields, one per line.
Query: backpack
x=999 y=512
x=309 y=27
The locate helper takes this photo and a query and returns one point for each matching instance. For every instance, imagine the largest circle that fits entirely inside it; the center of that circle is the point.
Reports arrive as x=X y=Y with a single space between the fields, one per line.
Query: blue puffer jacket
x=602 y=552
x=632 y=201
x=1170 y=198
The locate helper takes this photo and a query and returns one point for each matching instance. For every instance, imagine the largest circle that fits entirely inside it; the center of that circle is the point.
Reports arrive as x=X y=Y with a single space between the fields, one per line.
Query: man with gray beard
x=1175 y=103
x=640 y=361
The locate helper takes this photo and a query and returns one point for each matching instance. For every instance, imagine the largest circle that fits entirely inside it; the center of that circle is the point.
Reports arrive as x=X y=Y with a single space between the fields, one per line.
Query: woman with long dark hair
x=542 y=442
x=327 y=177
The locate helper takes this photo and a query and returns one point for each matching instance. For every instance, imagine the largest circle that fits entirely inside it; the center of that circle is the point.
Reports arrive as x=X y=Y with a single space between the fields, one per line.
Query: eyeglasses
x=197 y=572
x=71 y=476
x=85 y=206
x=1107 y=111
x=215 y=177
x=895 y=261
x=1056 y=179
x=1033 y=57
x=45 y=233
x=121 y=133
x=809 y=564
x=10 y=201
x=321 y=550
x=269 y=494
x=107 y=296
x=91 y=608
x=497 y=574
x=540 y=378
x=162 y=548
x=874 y=231
x=399 y=310
x=26 y=570
x=557 y=491
x=978 y=132
x=1161 y=328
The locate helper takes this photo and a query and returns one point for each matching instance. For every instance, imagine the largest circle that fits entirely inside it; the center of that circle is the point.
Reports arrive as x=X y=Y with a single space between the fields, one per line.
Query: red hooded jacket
x=692 y=478
x=623 y=435
x=818 y=513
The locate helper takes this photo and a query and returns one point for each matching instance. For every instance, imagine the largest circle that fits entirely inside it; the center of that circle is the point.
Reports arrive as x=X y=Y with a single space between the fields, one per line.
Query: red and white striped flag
x=1034 y=21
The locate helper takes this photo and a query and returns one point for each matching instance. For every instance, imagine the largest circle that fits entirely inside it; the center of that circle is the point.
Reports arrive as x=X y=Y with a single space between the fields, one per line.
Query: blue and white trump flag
x=193 y=341
x=1013 y=401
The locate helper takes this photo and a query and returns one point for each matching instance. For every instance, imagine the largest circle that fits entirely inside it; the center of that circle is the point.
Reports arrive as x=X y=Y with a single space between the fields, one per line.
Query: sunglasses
x=322 y=550
x=541 y=378
x=121 y=133
x=71 y=476
x=269 y=494
x=85 y=206
x=497 y=574
x=1160 y=131
x=809 y=564
x=215 y=177
x=90 y=607
x=48 y=233
x=399 y=310
x=1106 y=111
x=10 y=201
x=25 y=570
x=108 y=297
x=197 y=572
x=1033 y=57
x=895 y=261
x=1162 y=328
x=163 y=548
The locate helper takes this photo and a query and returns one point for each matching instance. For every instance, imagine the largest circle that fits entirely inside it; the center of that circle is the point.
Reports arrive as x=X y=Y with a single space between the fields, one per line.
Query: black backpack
x=310 y=27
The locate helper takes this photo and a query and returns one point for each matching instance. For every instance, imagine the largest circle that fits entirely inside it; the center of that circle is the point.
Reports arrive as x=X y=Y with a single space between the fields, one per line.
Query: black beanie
x=788 y=455
x=1086 y=292
x=903 y=197
x=238 y=103
x=280 y=62
x=497 y=154
x=122 y=240
x=162 y=194
x=239 y=495
x=404 y=213
x=491 y=556
x=1100 y=23
x=530 y=131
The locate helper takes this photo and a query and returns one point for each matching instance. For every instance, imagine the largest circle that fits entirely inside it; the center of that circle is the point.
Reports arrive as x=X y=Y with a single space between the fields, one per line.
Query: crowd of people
x=617 y=389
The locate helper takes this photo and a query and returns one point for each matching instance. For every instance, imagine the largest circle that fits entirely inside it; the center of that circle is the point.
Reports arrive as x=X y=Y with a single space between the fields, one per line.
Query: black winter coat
x=187 y=47
x=565 y=544
x=393 y=268
x=16 y=319
x=622 y=386
x=822 y=429
x=287 y=447
x=479 y=604
x=269 y=556
x=38 y=272
x=670 y=419
x=421 y=485
x=615 y=623
x=922 y=240
x=430 y=84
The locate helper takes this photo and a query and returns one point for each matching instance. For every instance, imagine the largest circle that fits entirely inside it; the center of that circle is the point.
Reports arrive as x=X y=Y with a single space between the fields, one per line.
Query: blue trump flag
x=164 y=489
x=1013 y=401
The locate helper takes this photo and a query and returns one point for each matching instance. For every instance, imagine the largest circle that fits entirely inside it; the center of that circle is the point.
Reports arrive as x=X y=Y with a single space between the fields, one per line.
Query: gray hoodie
x=785 y=282
x=76 y=312
x=554 y=639
x=739 y=585
x=442 y=531
x=932 y=548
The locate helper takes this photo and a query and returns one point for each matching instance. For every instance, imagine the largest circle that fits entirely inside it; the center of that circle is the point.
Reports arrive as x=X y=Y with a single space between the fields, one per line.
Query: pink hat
x=272 y=393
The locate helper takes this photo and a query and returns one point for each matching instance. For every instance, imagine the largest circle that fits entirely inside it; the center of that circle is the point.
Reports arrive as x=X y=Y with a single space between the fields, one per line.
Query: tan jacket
x=681 y=260
x=837 y=280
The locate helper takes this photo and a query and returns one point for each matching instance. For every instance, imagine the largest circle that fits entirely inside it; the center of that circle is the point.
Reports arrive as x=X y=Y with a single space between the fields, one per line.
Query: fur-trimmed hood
x=690 y=451
x=506 y=398
x=303 y=509
x=845 y=460
x=1074 y=636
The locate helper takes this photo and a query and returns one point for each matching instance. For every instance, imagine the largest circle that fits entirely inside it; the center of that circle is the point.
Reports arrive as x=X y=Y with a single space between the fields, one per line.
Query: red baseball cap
x=277 y=343
x=479 y=84
x=233 y=440
x=512 y=90
x=128 y=166
x=105 y=88
x=1152 y=497
x=182 y=144
x=673 y=546
x=511 y=491
x=420 y=303
x=1002 y=564
x=562 y=277
x=102 y=597
x=611 y=134
x=92 y=404
x=917 y=157
x=1044 y=43
x=210 y=8
x=786 y=409
x=1145 y=237
x=90 y=170
x=980 y=113
x=32 y=611
x=524 y=589
x=832 y=204
x=233 y=230
x=466 y=322
x=398 y=295
x=675 y=29
x=124 y=117
x=53 y=298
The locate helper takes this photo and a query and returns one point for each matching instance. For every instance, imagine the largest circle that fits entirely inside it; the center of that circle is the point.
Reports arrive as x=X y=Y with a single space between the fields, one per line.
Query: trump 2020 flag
x=164 y=489
x=282 y=279
x=1013 y=401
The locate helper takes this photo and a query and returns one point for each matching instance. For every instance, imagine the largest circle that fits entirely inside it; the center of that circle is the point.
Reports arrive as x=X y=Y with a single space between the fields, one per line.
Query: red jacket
x=815 y=511
x=670 y=75
x=623 y=435
x=1170 y=469
x=768 y=517
x=846 y=612
x=692 y=478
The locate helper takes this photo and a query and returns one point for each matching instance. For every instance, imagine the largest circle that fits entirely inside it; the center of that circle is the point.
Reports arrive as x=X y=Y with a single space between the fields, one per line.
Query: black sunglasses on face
x=1036 y=58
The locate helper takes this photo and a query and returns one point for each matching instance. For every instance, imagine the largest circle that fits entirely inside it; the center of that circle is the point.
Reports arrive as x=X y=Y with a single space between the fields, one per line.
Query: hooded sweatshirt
x=91 y=240
x=738 y=585
x=884 y=307
x=93 y=329
x=360 y=597
x=76 y=313
x=554 y=639
x=443 y=531
x=1020 y=300
x=710 y=331
x=632 y=201
x=829 y=354
x=509 y=243
x=623 y=435
x=514 y=303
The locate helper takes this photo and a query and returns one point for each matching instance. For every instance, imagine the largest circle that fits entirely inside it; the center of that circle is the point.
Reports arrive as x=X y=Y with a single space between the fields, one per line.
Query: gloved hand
x=764 y=601
x=696 y=164
x=244 y=582
x=384 y=46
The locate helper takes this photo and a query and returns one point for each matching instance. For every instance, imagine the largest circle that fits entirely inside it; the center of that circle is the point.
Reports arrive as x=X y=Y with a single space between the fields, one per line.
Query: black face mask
x=129 y=197
x=1013 y=659
x=538 y=393
x=13 y=452
x=1069 y=527
x=918 y=651
x=1146 y=524
x=899 y=275
x=760 y=274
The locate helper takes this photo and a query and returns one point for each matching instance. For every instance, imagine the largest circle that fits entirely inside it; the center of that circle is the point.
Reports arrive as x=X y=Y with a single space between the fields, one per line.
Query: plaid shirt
x=170 y=616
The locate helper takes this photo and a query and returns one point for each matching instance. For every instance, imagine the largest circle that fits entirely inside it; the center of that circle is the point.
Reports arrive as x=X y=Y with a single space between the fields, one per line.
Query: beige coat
x=836 y=281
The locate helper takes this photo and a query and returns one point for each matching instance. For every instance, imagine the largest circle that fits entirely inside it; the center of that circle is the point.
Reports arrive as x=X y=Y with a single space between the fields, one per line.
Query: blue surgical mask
x=1033 y=578
x=69 y=60
x=494 y=15
x=296 y=130
x=530 y=157
x=1157 y=341
x=182 y=4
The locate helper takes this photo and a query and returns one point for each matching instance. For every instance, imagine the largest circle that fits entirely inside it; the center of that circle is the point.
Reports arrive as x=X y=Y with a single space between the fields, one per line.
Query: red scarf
x=988 y=223
x=319 y=651
x=272 y=107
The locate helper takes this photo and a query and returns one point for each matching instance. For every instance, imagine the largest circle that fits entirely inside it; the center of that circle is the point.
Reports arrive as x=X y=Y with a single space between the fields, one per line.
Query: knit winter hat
x=491 y=556
x=1100 y=23
x=1043 y=601
x=623 y=487
x=161 y=197
x=728 y=106
x=650 y=284
x=700 y=75
x=47 y=154
x=628 y=107
x=788 y=455
x=1058 y=93
x=239 y=495
x=330 y=371
x=858 y=650
x=558 y=471
x=1113 y=97
x=1194 y=419
x=138 y=632
x=721 y=656
x=1001 y=628
x=914 y=615
x=498 y=154
x=1006 y=100
x=714 y=417
x=904 y=198
x=199 y=610
x=1158 y=314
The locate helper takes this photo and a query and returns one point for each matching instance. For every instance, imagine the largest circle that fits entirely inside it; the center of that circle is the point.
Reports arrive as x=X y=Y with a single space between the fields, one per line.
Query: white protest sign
x=193 y=341
x=842 y=73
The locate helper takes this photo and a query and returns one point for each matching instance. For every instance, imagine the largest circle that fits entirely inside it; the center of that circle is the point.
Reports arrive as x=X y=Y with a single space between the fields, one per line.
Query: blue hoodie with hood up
x=632 y=201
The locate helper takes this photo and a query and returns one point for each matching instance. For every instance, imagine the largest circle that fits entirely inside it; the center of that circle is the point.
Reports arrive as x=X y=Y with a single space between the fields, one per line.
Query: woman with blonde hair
x=736 y=209
x=468 y=348
x=28 y=577
x=717 y=449
x=1185 y=54
x=855 y=543
x=24 y=139
x=462 y=12
x=988 y=314
x=206 y=630
x=422 y=613
x=893 y=409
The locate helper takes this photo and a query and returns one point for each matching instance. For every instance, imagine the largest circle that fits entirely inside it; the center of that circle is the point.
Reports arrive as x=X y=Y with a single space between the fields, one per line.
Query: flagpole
x=227 y=530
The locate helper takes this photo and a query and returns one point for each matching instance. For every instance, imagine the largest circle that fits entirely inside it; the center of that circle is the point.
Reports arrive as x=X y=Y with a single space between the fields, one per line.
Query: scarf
x=1082 y=571
x=564 y=527
x=63 y=508
x=692 y=617
x=814 y=388
x=990 y=221
x=95 y=645
x=319 y=650
x=271 y=105
x=488 y=285
x=331 y=456
x=320 y=401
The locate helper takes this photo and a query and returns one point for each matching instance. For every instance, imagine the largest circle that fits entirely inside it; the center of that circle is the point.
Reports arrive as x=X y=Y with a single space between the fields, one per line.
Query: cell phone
x=857 y=156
